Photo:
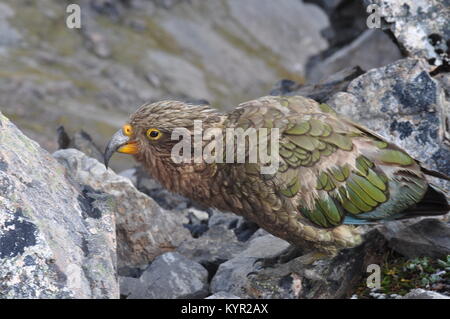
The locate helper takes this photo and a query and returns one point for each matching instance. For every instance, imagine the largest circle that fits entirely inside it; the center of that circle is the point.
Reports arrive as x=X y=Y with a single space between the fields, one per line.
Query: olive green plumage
x=332 y=172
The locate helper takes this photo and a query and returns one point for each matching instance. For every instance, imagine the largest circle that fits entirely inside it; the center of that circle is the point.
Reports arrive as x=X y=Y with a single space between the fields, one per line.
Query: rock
x=63 y=139
x=444 y=81
x=424 y=294
x=10 y=36
x=260 y=232
x=405 y=105
x=232 y=276
x=284 y=38
x=144 y=229
x=242 y=228
x=129 y=285
x=130 y=174
x=167 y=4
x=200 y=215
x=233 y=273
x=196 y=221
x=263 y=271
x=321 y=92
x=57 y=238
x=197 y=229
x=222 y=295
x=170 y=276
x=265 y=247
x=347 y=22
x=213 y=248
x=224 y=219
x=428 y=237
x=359 y=53
x=421 y=27
x=327 y=5
x=81 y=141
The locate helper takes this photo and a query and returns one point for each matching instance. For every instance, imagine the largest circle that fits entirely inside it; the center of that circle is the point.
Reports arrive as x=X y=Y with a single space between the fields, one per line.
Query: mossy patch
x=399 y=275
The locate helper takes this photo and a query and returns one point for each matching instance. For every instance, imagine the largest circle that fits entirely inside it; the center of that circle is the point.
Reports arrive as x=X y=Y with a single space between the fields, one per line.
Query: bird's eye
x=127 y=130
x=154 y=134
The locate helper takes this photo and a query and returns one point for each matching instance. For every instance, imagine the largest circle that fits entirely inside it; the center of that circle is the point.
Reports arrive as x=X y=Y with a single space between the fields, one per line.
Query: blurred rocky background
x=128 y=52
x=71 y=229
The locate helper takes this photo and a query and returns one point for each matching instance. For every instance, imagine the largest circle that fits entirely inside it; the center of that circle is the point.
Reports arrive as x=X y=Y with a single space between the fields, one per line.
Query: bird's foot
x=311 y=257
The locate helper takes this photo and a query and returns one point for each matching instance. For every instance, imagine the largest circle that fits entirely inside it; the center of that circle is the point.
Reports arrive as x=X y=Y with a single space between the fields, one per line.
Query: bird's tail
x=439 y=175
x=434 y=202
x=434 y=173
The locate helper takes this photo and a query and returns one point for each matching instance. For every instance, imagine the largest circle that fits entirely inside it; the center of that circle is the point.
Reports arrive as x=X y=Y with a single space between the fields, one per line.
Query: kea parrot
x=333 y=174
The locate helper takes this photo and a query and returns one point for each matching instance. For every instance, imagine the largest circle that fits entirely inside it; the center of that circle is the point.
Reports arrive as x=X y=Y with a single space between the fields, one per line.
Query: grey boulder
x=421 y=27
x=213 y=248
x=270 y=268
x=57 y=238
x=144 y=229
x=424 y=294
x=170 y=276
x=358 y=53
x=232 y=275
x=428 y=237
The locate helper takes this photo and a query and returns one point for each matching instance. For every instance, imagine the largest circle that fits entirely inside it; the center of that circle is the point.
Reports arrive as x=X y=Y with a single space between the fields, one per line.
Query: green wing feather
x=358 y=173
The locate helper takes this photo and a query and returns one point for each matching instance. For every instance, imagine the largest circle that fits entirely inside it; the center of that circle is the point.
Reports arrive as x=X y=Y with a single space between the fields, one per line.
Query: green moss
x=399 y=275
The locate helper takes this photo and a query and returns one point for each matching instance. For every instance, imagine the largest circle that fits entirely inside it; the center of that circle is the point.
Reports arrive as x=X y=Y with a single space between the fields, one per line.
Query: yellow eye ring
x=127 y=130
x=154 y=134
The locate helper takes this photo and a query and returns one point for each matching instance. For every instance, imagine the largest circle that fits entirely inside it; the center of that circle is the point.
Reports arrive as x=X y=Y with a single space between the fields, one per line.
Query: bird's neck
x=192 y=180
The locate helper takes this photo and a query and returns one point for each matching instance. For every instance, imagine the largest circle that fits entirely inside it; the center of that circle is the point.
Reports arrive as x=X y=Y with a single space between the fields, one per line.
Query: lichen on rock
x=50 y=246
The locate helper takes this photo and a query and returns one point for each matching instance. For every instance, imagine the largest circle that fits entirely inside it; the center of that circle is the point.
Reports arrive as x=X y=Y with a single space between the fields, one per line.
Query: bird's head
x=149 y=130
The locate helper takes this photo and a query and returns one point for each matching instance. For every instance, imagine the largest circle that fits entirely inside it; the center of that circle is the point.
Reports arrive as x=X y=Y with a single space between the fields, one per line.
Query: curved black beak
x=117 y=141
